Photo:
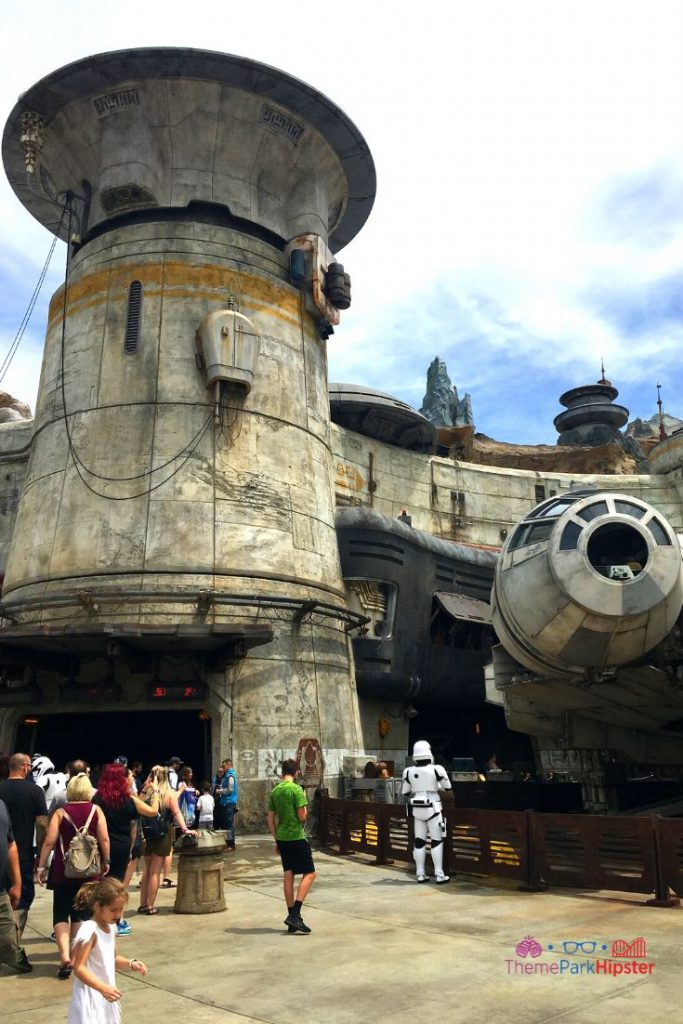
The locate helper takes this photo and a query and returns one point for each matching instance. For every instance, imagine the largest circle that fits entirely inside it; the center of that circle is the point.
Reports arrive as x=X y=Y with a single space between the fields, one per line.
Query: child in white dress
x=95 y=997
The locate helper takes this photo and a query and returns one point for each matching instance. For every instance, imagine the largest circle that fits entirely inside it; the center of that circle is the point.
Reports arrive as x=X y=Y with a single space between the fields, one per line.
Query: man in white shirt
x=174 y=766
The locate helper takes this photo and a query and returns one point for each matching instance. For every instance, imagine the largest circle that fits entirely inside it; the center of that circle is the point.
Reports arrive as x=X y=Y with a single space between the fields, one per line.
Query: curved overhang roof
x=598 y=392
x=381 y=417
x=101 y=73
x=603 y=415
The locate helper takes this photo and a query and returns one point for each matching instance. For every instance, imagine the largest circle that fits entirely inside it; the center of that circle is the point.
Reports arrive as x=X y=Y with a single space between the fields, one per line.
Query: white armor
x=422 y=785
x=45 y=776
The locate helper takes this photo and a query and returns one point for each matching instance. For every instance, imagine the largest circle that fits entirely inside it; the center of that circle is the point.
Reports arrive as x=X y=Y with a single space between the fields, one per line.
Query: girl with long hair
x=95 y=997
x=156 y=850
x=187 y=796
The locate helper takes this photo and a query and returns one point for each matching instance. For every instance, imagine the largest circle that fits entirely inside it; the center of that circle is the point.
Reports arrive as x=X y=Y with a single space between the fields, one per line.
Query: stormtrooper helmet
x=41 y=765
x=422 y=751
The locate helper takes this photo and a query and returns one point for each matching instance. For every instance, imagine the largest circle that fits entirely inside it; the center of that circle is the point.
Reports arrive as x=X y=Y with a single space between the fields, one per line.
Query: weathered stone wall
x=462 y=501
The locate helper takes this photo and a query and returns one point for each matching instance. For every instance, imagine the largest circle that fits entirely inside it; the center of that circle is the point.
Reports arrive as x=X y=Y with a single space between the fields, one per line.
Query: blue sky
x=529 y=215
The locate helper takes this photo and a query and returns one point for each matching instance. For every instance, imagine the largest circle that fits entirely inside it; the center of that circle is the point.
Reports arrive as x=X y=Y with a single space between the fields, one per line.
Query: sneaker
x=19 y=962
x=422 y=878
x=296 y=924
x=442 y=879
x=123 y=928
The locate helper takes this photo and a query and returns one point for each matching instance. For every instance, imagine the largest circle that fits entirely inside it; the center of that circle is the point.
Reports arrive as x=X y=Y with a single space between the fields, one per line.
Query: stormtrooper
x=44 y=775
x=422 y=785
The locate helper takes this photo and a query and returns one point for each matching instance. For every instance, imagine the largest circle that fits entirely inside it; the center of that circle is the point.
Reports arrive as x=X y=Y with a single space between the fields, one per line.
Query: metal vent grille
x=133 y=318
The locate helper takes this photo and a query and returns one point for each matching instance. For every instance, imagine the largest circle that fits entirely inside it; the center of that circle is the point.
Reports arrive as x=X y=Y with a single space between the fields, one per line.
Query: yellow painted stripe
x=177 y=280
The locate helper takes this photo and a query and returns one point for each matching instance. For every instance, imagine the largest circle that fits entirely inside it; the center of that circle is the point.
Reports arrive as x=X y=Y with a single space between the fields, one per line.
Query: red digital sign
x=177 y=691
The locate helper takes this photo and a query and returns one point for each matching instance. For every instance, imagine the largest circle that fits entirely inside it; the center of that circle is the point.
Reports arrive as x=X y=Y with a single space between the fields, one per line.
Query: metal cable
x=79 y=465
x=7 y=361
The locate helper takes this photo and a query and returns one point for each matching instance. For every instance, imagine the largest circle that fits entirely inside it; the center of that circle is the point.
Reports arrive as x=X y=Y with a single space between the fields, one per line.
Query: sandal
x=64 y=971
x=142 y=910
x=151 y=911
x=168 y=884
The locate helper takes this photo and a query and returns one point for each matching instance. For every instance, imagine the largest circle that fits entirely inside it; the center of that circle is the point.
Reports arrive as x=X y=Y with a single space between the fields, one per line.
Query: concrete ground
x=383 y=950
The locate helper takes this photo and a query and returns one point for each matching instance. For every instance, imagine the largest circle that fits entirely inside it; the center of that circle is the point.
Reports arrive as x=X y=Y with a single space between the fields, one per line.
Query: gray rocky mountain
x=650 y=428
x=441 y=404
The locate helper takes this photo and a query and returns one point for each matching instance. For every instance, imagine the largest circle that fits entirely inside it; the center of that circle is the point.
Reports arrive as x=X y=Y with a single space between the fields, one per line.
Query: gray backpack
x=82 y=858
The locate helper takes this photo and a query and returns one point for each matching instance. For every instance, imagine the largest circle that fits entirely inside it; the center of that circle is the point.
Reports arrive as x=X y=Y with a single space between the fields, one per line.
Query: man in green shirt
x=286 y=816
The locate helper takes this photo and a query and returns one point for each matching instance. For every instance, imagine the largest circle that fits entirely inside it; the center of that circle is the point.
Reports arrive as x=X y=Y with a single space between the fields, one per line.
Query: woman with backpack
x=121 y=808
x=78 y=835
x=158 y=836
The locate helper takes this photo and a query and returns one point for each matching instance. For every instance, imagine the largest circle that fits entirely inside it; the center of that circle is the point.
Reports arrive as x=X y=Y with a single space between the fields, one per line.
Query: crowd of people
x=84 y=845
x=116 y=816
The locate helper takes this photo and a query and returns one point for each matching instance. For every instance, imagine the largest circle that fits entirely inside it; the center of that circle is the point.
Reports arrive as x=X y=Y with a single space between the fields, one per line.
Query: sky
x=529 y=211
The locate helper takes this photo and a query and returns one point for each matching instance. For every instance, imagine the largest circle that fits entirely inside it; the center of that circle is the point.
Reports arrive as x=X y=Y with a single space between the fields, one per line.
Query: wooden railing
x=616 y=852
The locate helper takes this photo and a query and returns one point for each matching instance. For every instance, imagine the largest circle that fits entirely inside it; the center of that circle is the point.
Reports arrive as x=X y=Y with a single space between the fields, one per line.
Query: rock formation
x=463 y=444
x=648 y=429
x=12 y=410
x=441 y=405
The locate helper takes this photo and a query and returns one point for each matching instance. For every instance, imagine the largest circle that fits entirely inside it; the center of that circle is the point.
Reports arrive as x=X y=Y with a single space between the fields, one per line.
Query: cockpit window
x=617 y=551
x=627 y=508
x=658 y=531
x=531 y=533
x=552 y=510
x=598 y=508
x=570 y=536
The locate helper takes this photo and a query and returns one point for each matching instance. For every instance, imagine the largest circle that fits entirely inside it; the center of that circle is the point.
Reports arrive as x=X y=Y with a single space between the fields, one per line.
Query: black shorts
x=295 y=855
x=63 y=910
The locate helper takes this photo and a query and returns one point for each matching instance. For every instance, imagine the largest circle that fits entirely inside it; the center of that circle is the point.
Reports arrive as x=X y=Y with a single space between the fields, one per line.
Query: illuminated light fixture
x=30 y=721
x=158 y=691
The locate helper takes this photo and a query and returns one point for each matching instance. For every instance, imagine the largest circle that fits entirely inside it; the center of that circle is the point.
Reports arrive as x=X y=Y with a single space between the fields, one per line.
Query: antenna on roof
x=662 y=431
x=603 y=379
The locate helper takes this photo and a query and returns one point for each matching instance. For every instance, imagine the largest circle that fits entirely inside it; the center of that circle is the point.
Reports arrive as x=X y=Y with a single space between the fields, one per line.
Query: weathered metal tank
x=178 y=511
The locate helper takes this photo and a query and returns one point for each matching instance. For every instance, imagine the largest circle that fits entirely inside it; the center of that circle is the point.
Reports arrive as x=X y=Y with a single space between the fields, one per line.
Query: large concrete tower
x=176 y=527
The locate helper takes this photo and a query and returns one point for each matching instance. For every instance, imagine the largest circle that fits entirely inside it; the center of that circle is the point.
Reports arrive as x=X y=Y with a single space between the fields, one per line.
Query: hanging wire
x=7 y=361
x=146 y=472
x=187 y=451
x=229 y=418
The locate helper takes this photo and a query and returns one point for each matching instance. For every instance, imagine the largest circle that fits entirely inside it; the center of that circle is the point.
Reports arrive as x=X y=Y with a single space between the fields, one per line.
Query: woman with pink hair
x=121 y=809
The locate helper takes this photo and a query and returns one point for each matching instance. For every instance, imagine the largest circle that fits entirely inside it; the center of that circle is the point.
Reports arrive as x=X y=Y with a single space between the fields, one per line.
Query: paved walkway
x=383 y=951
